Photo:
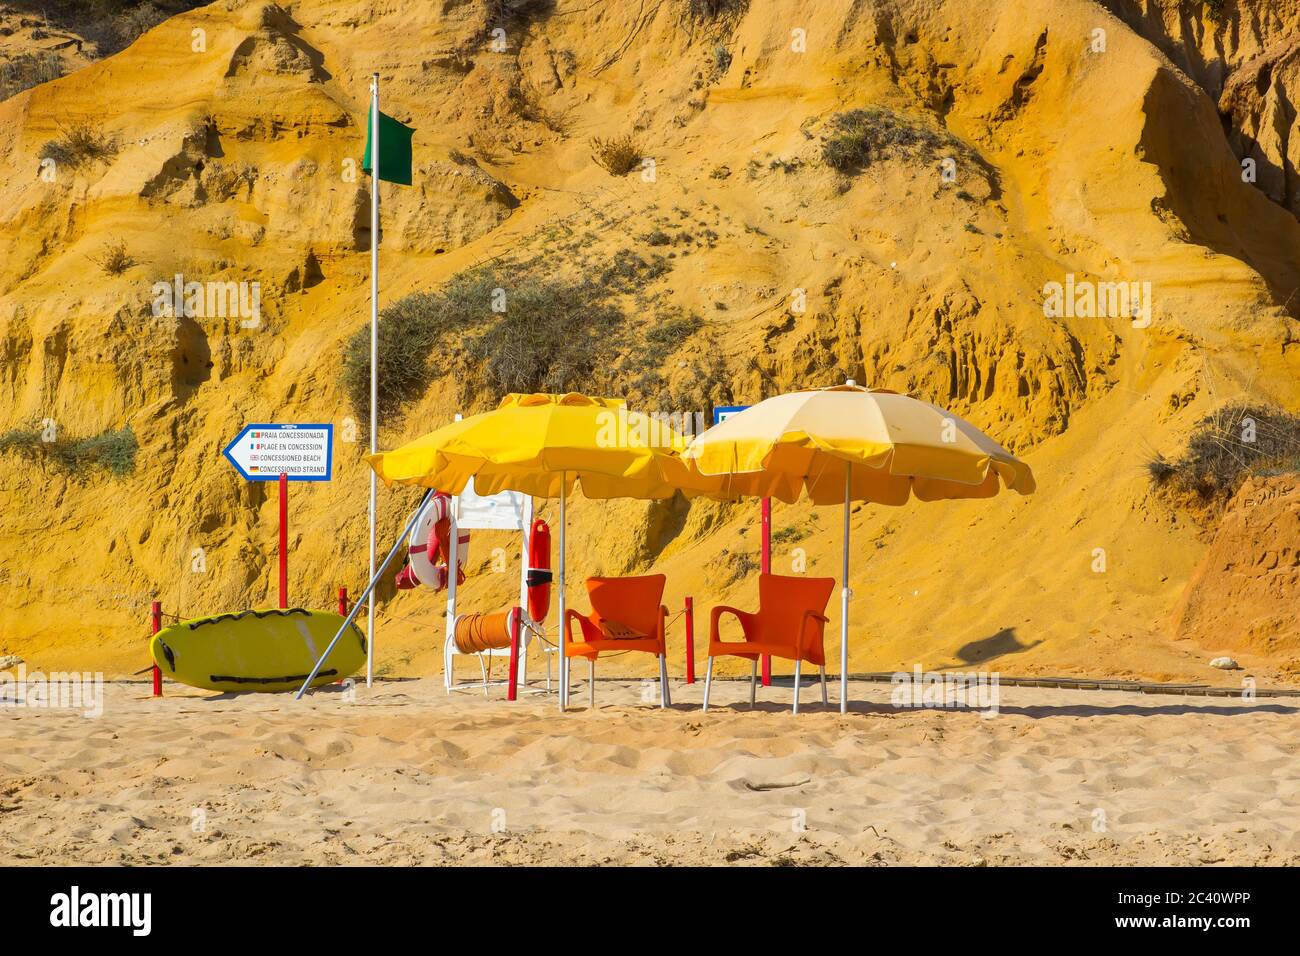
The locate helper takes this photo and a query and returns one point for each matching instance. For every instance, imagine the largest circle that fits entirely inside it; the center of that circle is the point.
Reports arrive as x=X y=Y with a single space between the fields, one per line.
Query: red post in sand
x=284 y=540
x=342 y=610
x=690 y=640
x=766 y=567
x=155 y=620
x=512 y=690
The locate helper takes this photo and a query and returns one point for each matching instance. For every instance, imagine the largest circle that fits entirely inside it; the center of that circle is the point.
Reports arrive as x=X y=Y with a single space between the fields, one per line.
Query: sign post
x=284 y=540
x=720 y=414
x=283 y=453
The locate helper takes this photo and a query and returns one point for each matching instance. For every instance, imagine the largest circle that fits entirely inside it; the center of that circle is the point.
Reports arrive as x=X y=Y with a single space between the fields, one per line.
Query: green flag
x=394 y=149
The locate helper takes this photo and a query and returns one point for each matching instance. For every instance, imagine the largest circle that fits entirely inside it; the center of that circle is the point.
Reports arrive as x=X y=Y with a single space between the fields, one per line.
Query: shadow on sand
x=1036 y=712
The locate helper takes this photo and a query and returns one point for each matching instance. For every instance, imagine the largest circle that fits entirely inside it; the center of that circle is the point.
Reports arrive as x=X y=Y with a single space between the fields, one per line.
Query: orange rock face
x=1242 y=596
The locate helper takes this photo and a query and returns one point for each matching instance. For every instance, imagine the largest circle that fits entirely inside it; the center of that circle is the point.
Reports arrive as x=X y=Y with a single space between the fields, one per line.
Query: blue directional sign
x=722 y=412
x=265 y=452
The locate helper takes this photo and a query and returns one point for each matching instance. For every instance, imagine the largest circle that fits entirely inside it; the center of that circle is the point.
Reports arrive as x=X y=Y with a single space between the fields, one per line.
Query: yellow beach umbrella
x=544 y=445
x=847 y=443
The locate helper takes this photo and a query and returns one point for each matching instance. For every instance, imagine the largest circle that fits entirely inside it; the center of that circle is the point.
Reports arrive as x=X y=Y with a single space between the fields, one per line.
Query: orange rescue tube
x=539 y=571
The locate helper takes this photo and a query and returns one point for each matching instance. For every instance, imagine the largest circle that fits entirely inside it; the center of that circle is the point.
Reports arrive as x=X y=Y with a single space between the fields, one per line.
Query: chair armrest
x=818 y=622
x=569 y=615
x=745 y=618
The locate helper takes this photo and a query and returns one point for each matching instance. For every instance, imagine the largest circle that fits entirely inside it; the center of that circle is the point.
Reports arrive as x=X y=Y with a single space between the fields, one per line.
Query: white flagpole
x=374 y=358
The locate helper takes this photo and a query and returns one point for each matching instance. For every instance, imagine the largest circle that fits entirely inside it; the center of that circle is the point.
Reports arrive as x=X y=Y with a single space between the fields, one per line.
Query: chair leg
x=708 y=683
x=753 y=682
x=591 y=683
x=797 y=665
x=665 y=695
x=825 y=699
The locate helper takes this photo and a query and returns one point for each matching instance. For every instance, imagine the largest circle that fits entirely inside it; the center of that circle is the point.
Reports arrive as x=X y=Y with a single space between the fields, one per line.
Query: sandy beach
x=403 y=774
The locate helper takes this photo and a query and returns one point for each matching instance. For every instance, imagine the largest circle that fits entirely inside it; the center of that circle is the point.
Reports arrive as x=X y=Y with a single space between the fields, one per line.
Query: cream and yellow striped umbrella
x=847 y=443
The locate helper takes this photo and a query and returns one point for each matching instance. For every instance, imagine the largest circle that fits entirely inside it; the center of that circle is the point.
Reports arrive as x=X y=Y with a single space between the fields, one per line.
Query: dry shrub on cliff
x=531 y=104
x=112 y=25
x=618 y=155
x=551 y=337
x=79 y=144
x=409 y=331
x=26 y=70
x=508 y=327
x=114 y=451
x=113 y=258
x=860 y=137
x=732 y=566
x=1234 y=442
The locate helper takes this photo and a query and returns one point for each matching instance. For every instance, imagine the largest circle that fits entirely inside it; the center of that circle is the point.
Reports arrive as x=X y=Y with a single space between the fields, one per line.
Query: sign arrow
x=264 y=452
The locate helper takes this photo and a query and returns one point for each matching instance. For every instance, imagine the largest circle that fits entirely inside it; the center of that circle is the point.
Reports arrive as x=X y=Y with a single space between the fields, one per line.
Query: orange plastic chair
x=636 y=603
x=790 y=624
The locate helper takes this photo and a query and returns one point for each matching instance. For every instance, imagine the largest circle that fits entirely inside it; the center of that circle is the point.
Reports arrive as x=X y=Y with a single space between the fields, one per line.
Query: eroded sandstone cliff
x=234 y=159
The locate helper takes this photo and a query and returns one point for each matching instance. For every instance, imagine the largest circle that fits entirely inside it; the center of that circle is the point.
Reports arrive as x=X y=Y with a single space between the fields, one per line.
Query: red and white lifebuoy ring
x=429 y=548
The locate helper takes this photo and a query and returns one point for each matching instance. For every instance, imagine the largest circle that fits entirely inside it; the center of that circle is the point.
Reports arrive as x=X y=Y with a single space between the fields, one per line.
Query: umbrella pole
x=844 y=599
x=564 y=660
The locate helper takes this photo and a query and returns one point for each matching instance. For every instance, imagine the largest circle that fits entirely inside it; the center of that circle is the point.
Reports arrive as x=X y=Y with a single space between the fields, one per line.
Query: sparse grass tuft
x=1161 y=469
x=860 y=137
x=671 y=333
x=1226 y=447
x=791 y=533
x=113 y=258
x=531 y=105
x=628 y=272
x=20 y=439
x=113 y=451
x=78 y=145
x=618 y=155
x=732 y=566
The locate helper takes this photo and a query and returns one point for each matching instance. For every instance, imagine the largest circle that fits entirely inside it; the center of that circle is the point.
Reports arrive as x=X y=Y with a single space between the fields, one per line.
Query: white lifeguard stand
x=506 y=511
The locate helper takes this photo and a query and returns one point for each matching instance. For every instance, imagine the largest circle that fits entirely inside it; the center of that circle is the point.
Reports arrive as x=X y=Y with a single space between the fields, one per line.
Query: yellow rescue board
x=263 y=651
